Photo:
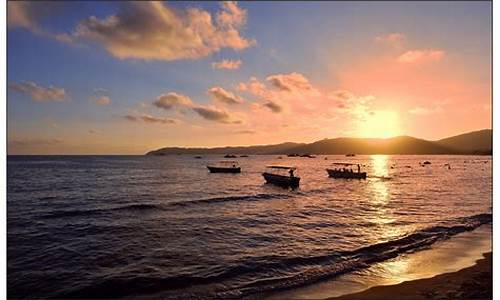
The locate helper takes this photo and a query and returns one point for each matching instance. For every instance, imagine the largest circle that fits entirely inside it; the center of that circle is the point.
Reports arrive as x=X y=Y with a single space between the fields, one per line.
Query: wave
x=271 y=273
x=160 y=206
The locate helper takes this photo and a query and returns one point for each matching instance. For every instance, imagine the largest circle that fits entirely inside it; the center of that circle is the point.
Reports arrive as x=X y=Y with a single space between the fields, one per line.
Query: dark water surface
x=138 y=226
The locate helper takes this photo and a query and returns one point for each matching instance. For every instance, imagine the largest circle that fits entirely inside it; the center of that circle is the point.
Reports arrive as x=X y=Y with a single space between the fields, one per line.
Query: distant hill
x=396 y=145
x=477 y=142
x=260 y=149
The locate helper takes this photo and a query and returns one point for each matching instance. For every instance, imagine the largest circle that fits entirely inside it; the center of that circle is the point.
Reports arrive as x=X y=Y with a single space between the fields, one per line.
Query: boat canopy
x=282 y=167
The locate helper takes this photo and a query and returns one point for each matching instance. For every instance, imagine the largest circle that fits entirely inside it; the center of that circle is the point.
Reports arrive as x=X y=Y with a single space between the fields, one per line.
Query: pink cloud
x=417 y=56
x=227 y=64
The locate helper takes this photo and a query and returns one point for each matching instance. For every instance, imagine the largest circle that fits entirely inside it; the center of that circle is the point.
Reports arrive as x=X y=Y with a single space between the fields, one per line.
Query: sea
x=164 y=227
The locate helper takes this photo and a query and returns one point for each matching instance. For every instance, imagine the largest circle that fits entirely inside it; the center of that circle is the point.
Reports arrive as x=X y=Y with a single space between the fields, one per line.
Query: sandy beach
x=474 y=282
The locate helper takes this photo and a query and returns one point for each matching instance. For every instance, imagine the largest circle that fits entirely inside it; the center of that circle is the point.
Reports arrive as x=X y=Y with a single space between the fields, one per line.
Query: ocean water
x=163 y=227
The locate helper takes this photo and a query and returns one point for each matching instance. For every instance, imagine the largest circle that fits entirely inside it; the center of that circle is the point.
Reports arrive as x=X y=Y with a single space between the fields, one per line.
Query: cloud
x=215 y=114
x=245 y=132
x=423 y=111
x=227 y=64
x=154 y=31
x=290 y=82
x=102 y=100
x=34 y=142
x=169 y=100
x=393 y=39
x=93 y=131
x=29 y=14
x=416 y=56
x=221 y=95
x=39 y=93
x=274 y=107
x=341 y=95
x=150 y=119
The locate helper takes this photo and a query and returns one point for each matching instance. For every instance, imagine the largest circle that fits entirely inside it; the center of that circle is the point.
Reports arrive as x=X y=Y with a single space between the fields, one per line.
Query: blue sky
x=329 y=44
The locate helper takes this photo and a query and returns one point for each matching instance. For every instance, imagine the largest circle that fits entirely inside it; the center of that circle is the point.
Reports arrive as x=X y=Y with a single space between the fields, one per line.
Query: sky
x=129 y=77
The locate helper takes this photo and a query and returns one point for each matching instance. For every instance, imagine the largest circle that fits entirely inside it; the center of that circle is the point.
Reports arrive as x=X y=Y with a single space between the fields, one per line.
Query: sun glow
x=380 y=124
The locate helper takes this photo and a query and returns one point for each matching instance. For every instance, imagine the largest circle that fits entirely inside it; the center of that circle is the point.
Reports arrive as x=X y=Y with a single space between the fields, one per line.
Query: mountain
x=396 y=145
x=260 y=149
x=477 y=142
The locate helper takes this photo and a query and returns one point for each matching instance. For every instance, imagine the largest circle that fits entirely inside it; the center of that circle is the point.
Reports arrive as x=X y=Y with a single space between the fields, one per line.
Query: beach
x=474 y=282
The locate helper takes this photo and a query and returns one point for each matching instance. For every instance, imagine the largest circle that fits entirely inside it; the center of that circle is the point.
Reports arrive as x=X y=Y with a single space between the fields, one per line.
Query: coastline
x=449 y=256
x=473 y=282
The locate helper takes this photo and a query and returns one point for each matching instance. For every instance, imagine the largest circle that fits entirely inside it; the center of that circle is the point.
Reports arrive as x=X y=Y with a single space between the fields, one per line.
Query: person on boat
x=291 y=172
x=359 y=169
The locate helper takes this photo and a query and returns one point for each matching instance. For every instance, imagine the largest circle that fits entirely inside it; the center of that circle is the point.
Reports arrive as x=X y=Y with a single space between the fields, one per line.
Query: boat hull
x=281 y=180
x=224 y=170
x=353 y=175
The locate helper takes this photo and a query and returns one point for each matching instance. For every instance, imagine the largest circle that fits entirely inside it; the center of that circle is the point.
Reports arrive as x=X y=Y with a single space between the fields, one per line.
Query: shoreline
x=448 y=256
x=473 y=282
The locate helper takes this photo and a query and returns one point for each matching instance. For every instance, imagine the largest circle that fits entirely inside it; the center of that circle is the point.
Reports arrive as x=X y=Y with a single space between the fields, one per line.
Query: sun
x=380 y=124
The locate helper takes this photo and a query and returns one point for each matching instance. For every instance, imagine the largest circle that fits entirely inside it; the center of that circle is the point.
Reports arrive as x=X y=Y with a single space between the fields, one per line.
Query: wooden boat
x=282 y=176
x=292 y=155
x=225 y=166
x=350 y=154
x=308 y=155
x=198 y=157
x=345 y=170
x=229 y=156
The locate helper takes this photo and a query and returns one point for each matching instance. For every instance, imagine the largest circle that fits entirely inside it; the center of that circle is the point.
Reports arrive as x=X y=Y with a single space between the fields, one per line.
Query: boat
x=282 y=176
x=292 y=155
x=198 y=157
x=350 y=154
x=308 y=155
x=225 y=166
x=229 y=156
x=345 y=170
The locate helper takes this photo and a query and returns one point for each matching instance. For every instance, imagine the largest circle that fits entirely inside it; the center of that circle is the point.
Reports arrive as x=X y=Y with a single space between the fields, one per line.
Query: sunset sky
x=129 y=77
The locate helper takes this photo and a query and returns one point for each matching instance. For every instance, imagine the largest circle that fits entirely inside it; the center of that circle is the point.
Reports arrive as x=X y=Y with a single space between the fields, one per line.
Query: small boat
x=229 y=156
x=282 y=176
x=292 y=155
x=345 y=170
x=225 y=166
x=426 y=162
x=308 y=155
x=350 y=154
x=198 y=157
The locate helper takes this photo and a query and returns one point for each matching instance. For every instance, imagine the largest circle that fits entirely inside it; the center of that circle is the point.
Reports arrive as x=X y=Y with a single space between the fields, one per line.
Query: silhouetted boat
x=198 y=157
x=281 y=175
x=292 y=155
x=229 y=156
x=350 y=154
x=345 y=170
x=225 y=166
x=308 y=155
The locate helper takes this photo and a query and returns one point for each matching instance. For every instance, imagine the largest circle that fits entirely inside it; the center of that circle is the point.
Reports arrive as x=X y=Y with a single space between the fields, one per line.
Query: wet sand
x=474 y=282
